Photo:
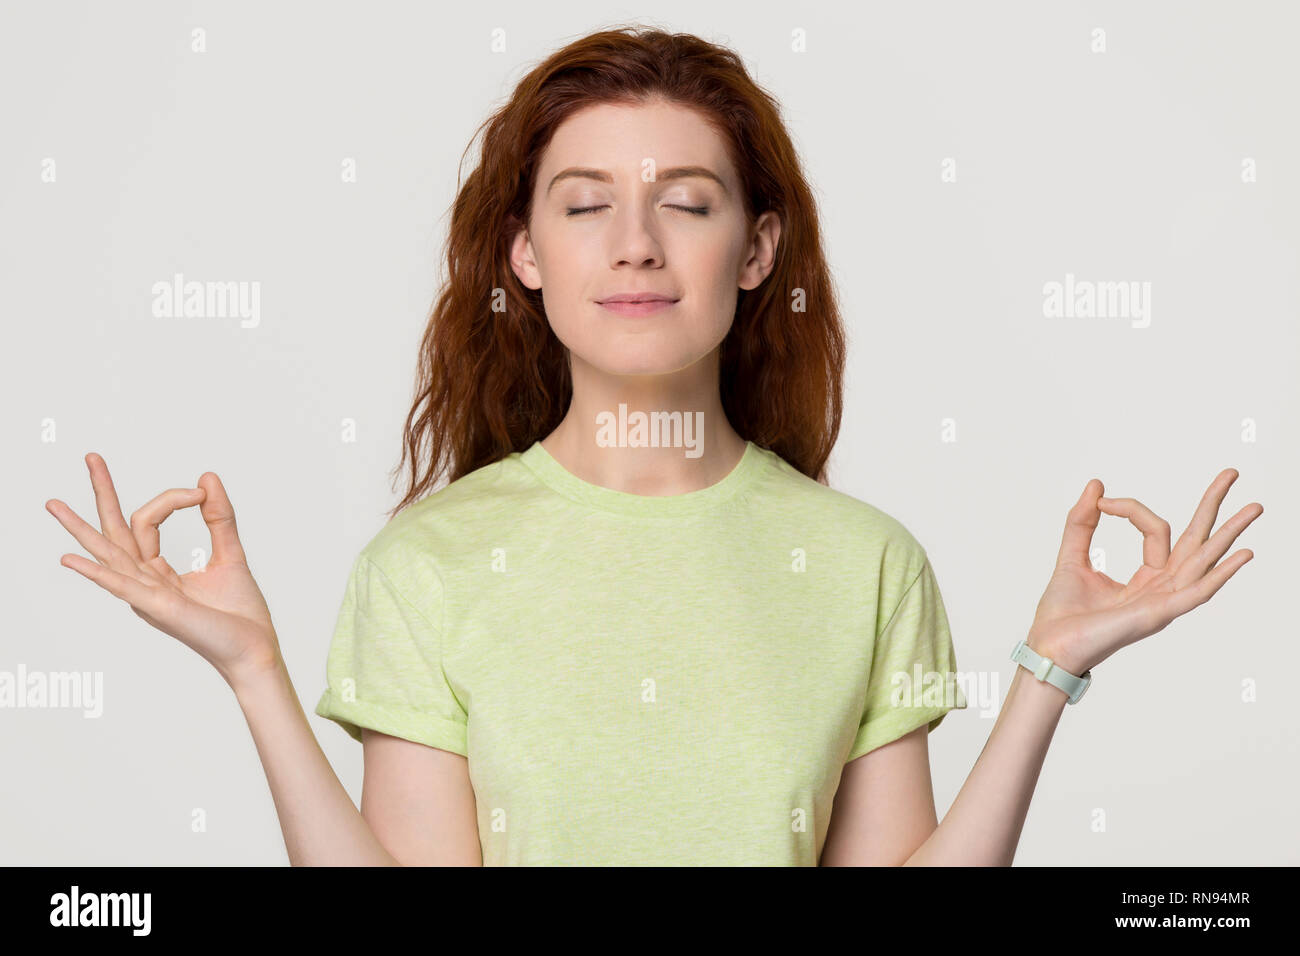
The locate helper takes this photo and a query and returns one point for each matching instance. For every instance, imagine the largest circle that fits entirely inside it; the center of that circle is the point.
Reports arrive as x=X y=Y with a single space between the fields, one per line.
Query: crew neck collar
x=560 y=479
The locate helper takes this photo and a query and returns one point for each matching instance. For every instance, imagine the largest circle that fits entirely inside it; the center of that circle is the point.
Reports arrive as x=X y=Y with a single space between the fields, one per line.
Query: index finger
x=147 y=518
x=1155 y=529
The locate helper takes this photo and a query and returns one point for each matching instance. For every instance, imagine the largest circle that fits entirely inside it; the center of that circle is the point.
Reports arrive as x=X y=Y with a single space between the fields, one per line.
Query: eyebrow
x=673 y=172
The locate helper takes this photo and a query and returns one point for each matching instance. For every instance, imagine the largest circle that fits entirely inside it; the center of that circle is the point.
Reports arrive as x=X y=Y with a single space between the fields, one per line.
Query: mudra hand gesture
x=218 y=610
x=1085 y=616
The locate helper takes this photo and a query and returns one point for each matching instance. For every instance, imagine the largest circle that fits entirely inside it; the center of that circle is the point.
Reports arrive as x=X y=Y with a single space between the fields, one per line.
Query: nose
x=633 y=240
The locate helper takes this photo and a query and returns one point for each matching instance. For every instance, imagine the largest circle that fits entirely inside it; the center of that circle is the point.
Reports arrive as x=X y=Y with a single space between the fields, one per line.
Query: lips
x=637 y=304
x=637 y=297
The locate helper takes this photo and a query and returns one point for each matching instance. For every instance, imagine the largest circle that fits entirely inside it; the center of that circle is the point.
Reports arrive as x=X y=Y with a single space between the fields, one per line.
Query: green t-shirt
x=640 y=680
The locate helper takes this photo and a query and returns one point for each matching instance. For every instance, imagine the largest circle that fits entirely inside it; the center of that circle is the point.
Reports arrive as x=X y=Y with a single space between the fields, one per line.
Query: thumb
x=219 y=515
x=1080 y=524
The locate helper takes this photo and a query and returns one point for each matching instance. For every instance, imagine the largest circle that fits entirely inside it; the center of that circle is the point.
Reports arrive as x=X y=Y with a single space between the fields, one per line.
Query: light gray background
x=1123 y=165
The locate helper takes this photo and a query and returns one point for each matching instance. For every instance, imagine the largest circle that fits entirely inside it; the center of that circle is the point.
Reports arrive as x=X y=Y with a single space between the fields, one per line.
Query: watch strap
x=1045 y=669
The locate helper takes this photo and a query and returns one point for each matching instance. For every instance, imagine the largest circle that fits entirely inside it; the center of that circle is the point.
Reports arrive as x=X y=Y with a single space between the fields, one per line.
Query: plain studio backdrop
x=965 y=158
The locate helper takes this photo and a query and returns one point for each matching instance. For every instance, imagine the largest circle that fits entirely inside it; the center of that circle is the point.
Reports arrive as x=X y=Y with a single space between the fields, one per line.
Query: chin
x=631 y=359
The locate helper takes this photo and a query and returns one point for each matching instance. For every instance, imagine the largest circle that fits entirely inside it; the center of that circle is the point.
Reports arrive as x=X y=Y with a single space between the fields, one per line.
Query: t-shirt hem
x=413 y=725
x=881 y=732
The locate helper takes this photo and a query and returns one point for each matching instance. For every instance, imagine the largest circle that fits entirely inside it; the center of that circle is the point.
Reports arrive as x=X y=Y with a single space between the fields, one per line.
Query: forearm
x=983 y=825
x=320 y=823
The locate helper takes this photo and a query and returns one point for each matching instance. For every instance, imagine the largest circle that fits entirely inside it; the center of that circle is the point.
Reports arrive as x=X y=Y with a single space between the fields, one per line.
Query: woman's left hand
x=1085 y=616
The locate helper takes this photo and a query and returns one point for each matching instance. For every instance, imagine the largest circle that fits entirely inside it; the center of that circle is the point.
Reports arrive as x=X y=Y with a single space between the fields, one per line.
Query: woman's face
x=624 y=204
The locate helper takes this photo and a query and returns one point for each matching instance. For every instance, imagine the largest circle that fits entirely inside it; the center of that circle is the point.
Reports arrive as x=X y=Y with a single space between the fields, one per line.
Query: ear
x=523 y=259
x=761 y=253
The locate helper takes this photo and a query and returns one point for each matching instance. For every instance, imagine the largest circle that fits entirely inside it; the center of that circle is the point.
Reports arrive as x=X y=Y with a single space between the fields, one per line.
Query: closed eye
x=695 y=210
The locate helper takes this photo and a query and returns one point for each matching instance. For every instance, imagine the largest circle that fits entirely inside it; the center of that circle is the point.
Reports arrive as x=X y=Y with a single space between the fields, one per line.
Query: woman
x=637 y=626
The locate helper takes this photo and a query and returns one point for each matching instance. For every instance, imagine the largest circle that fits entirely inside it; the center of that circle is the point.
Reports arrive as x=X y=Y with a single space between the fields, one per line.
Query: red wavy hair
x=493 y=378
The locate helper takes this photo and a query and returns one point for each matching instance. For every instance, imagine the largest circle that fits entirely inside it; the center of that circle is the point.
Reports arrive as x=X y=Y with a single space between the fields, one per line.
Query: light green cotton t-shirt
x=639 y=680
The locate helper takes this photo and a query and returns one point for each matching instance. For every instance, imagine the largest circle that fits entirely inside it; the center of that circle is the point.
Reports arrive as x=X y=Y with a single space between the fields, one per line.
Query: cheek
x=712 y=273
x=572 y=262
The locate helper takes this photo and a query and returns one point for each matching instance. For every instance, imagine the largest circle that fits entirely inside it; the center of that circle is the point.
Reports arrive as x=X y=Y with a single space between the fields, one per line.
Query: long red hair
x=493 y=378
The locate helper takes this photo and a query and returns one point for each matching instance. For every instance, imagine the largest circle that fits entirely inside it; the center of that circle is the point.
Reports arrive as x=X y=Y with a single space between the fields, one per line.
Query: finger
x=157 y=602
x=1210 y=552
x=1080 y=523
x=219 y=515
x=147 y=518
x=106 y=503
x=1207 y=512
x=1155 y=529
x=1183 y=600
x=164 y=571
x=105 y=551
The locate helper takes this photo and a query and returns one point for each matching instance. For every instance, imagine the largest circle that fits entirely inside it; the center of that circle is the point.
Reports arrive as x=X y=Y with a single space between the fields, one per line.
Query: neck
x=670 y=436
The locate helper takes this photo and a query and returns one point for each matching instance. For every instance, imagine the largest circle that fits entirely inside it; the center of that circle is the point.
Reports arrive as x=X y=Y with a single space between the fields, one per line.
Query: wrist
x=1053 y=646
x=251 y=679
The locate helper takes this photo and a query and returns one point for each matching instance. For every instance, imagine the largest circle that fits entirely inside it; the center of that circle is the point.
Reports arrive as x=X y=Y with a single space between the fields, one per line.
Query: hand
x=218 y=611
x=1085 y=616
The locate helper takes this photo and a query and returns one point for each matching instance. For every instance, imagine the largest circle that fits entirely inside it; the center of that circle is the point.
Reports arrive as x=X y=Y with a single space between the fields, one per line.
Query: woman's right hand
x=217 y=611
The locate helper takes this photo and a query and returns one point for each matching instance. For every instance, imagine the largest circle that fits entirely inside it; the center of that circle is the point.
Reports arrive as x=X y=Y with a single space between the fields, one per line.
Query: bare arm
x=884 y=807
x=418 y=806
x=884 y=813
x=982 y=827
x=220 y=613
x=320 y=823
x=420 y=798
x=885 y=796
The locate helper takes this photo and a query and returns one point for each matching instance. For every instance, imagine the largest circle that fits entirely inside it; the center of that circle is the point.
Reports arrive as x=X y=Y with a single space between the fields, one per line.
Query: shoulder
x=418 y=541
x=865 y=532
